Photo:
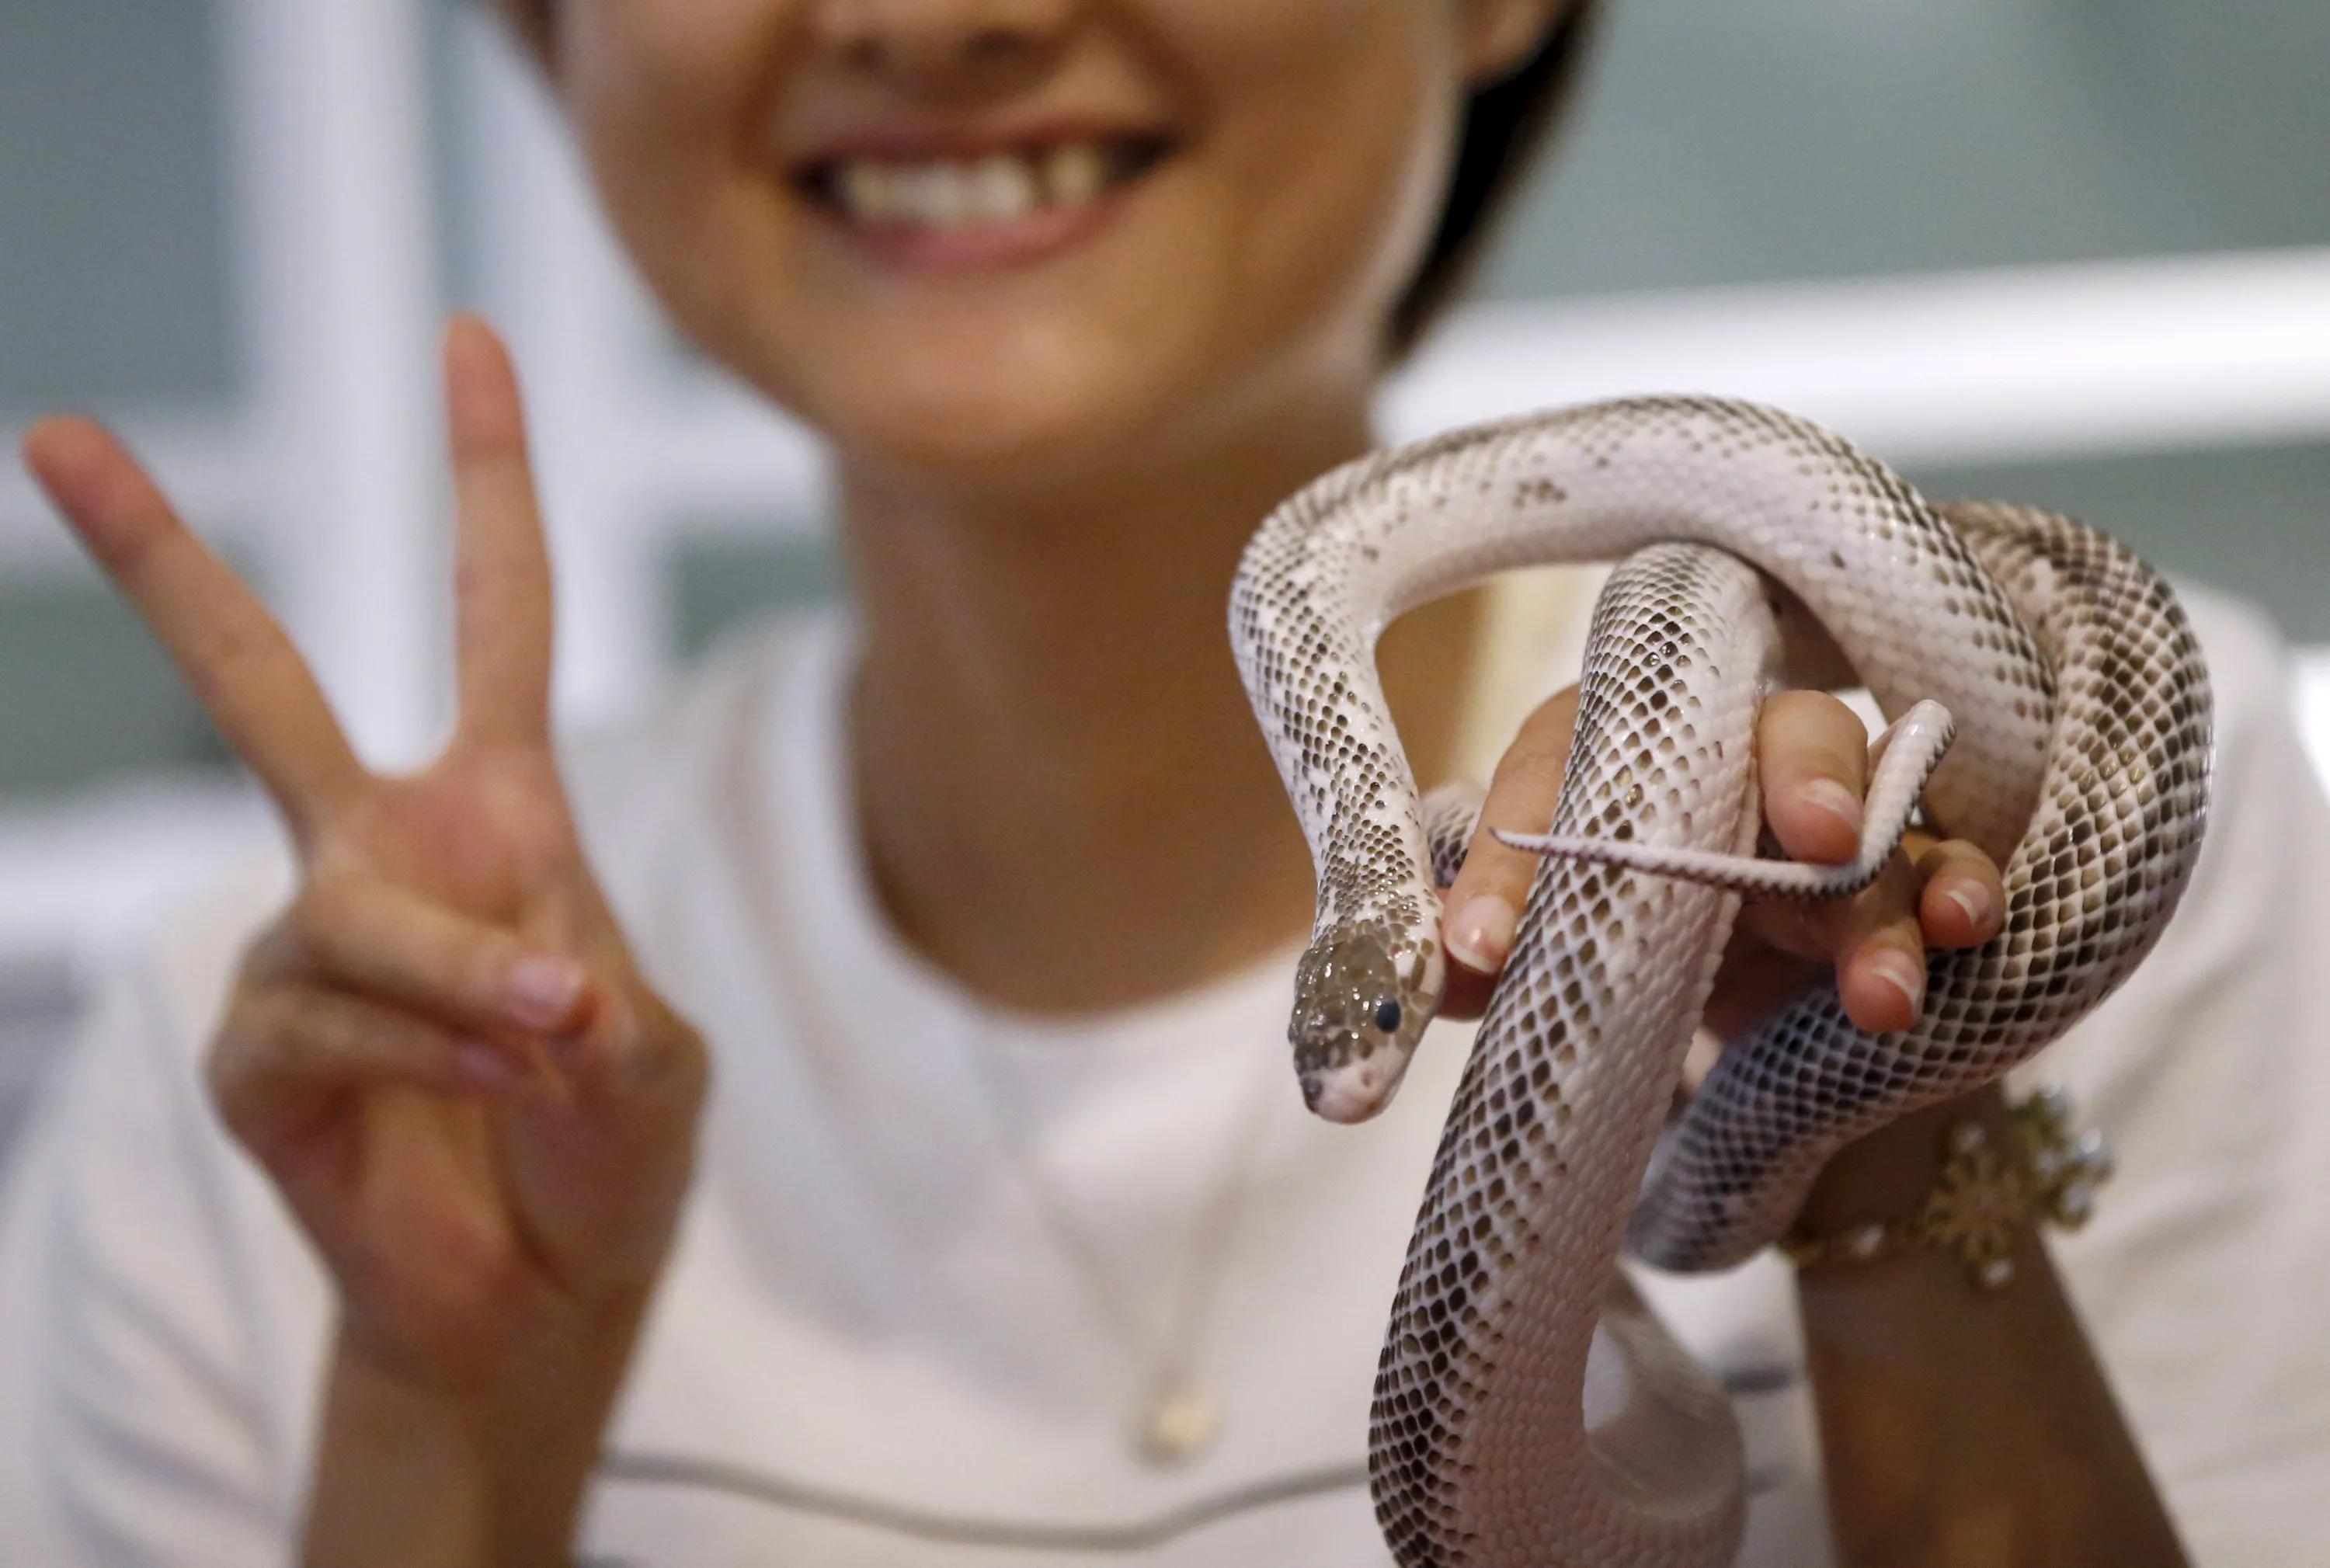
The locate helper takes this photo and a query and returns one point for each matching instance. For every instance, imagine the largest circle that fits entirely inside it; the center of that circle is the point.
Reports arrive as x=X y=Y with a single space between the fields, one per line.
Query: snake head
x=1359 y=1012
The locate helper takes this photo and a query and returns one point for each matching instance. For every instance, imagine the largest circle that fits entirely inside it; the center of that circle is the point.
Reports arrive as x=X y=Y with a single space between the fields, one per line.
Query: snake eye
x=1387 y=1014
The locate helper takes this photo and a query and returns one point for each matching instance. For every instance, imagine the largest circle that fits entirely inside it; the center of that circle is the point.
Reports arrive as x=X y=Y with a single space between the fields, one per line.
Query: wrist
x=1989 y=1173
x=402 y=1471
x=1885 y=1176
x=506 y=1360
x=1971 y=1217
x=430 y=1471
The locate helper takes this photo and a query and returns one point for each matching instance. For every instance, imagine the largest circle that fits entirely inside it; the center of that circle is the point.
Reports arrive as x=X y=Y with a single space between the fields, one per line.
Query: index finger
x=502 y=604
x=233 y=654
x=1812 y=766
x=1484 y=901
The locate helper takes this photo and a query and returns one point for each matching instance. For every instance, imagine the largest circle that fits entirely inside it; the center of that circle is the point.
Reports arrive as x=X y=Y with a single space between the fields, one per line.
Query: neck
x=1064 y=797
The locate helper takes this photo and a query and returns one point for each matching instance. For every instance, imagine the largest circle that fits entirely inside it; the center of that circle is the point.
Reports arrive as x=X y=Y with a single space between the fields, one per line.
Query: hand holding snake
x=1528 y=1410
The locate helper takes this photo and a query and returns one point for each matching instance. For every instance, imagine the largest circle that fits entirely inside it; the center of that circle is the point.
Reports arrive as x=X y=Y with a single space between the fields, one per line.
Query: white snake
x=1528 y=1411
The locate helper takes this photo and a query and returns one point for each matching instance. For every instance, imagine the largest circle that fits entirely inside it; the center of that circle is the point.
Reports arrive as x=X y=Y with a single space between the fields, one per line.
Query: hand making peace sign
x=442 y=1051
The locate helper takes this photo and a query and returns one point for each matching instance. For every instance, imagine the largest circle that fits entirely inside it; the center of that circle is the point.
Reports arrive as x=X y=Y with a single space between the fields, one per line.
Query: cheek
x=1340 y=167
x=659 y=93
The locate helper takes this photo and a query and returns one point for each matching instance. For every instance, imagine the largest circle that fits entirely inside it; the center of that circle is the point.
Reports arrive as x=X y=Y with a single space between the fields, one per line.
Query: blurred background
x=2071 y=251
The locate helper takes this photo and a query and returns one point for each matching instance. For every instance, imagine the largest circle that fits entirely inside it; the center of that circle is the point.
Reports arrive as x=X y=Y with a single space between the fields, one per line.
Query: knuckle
x=272 y=952
x=296 y=1025
x=250 y=1039
x=1898 y=926
x=656 y=1049
x=470 y=966
x=1830 y=930
x=1801 y=733
x=1530 y=766
x=1540 y=747
x=328 y=1029
x=1958 y=858
x=1789 y=926
x=318 y=921
x=251 y=1025
x=1491 y=865
x=1792 y=711
x=1848 y=922
x=659 y=1032
x=1894 y=896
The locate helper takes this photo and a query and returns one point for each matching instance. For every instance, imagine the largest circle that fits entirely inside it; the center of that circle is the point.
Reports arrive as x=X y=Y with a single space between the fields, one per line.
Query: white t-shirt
x=934 y=1248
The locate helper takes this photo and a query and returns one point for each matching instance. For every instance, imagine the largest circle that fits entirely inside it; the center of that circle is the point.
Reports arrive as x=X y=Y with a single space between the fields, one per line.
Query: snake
x=2049 y=703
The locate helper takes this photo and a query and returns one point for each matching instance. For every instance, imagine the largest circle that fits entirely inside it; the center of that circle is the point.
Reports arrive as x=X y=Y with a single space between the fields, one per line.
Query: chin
x=994 y=418
x=974 y=423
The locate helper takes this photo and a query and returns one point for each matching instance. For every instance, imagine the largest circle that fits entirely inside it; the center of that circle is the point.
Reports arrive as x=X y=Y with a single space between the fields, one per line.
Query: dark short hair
x=531 y=18
x=1506 y=126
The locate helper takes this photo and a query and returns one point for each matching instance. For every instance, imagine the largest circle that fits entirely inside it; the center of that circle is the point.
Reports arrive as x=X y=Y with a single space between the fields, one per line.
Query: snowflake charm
x=1985 y=1194
x=1975 y=1208
x=2066 y=1166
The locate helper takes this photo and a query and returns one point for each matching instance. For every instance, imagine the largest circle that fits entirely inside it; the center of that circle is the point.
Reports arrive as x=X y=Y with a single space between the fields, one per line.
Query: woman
x=976 y=913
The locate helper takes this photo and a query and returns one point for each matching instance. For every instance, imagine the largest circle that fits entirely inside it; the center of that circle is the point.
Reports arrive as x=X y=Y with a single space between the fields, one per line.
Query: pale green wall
x=1747 y=140
x=113 y=248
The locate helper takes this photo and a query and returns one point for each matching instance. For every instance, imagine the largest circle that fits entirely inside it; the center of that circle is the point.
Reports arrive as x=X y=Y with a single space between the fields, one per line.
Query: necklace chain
x=1177 y=1418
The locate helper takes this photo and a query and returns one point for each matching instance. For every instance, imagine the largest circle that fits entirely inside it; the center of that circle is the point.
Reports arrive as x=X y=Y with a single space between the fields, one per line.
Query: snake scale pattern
x=1528 y=1409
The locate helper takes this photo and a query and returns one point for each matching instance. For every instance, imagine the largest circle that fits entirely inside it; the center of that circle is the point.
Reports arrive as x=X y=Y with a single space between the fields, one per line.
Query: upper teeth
x=994 y=189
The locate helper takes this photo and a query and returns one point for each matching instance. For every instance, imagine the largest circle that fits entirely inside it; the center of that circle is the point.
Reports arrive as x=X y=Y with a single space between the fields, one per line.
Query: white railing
x=330 y=145
x=2311 y=693
x=2005 y=365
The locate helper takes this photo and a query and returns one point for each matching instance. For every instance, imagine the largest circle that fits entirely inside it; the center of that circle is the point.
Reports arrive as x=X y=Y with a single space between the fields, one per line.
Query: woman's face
x=1013 y=234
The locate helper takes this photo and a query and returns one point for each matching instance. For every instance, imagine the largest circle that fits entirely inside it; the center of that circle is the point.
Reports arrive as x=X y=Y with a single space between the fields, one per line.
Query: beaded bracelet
x=1985 y=1194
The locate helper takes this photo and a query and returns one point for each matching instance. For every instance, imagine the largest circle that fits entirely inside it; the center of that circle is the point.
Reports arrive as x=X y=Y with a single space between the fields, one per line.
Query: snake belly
x=1528 y=1409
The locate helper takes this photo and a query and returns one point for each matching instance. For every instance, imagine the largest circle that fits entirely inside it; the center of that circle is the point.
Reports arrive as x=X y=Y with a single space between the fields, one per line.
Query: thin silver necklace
x=1177 y=1416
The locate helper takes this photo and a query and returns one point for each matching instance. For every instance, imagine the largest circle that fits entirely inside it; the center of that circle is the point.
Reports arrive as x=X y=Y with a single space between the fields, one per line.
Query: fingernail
x=1901 y=971
x=1481 y=934
x=483 y=1065
x=1974 y=898
x=1834 y=798
x=541 y=991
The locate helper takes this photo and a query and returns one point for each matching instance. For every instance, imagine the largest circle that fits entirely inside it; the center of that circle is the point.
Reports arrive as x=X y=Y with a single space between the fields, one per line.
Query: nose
x=976 y=41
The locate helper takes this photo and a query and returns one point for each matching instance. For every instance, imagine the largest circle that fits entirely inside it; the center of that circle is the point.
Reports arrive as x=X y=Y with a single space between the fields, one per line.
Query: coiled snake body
x=1528 y=1411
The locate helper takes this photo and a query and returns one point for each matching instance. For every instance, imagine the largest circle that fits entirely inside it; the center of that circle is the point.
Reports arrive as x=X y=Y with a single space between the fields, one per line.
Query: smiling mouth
x=993 y=190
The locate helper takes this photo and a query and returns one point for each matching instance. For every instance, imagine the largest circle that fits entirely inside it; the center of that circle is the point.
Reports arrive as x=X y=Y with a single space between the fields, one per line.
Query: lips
x=998 y=203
